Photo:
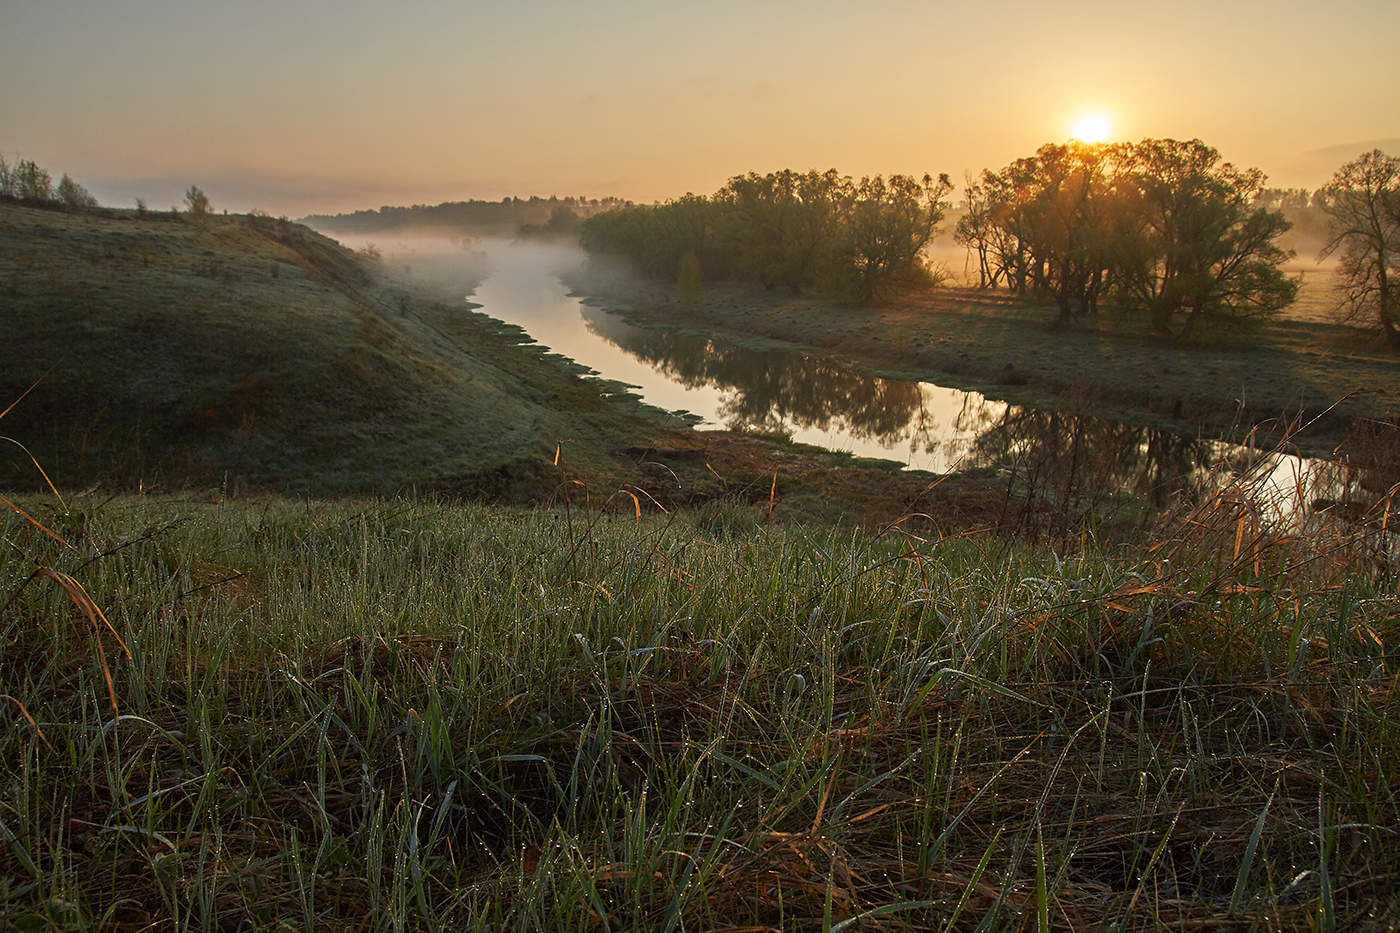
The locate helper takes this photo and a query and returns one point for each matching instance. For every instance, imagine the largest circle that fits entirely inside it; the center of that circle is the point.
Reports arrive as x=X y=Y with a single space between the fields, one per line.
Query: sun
x=1092 y=128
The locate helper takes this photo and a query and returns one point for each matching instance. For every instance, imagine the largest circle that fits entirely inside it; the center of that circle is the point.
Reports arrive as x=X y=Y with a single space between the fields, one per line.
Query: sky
x=300 y=106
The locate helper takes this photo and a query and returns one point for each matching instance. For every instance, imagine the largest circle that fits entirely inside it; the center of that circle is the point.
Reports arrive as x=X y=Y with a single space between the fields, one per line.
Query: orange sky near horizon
x=309 y=105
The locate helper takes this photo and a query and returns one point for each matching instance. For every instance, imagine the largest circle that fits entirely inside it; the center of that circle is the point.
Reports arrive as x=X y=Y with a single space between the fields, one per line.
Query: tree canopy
x=197 y=201
x=818 y=230
x=27 y=181
x=1363 y=206
x=72 y=194
x=1164 y=225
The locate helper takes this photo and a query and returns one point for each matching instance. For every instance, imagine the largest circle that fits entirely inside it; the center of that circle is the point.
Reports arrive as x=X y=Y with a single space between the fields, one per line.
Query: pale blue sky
x=312 y=104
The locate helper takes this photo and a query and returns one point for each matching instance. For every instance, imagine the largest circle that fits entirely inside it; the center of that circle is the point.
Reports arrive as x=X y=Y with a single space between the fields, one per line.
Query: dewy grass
x=250 y=353
x=408 y=714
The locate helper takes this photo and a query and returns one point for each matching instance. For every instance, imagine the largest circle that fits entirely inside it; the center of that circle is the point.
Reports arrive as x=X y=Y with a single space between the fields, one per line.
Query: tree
x=197 y=201
x=889 y=225
x=30 y=182
x=72 y=194
x=1363 y=207
x=976 y=230
x=1162 y=224
x=1191 y=246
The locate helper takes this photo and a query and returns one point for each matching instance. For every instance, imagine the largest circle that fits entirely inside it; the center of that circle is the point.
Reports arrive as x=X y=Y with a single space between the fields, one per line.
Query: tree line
x=26 y=181
x=1161 y=227
x=1162 y=224
x=1169 y=228
x=819 y=230
x=505 y=216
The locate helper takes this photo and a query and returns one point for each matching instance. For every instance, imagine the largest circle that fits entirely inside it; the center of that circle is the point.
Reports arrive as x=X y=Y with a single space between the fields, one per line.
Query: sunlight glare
x=1092 y=128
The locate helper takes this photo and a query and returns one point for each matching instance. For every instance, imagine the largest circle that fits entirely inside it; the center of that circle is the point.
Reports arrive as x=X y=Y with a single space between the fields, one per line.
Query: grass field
x=406 y=714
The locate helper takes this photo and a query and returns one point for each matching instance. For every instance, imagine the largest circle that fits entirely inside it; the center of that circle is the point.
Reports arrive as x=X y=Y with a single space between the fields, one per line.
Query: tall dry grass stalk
x=84 y=603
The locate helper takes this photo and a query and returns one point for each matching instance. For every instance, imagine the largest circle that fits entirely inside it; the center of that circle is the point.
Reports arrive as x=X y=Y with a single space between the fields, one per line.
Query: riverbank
x=1324 y=375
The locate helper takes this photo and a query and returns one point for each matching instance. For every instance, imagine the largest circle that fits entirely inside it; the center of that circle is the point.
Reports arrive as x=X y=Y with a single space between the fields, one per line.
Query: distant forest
x=508 y=215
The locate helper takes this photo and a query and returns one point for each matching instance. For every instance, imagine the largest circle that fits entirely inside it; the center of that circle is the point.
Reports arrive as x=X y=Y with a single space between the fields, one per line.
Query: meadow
x=412 y=714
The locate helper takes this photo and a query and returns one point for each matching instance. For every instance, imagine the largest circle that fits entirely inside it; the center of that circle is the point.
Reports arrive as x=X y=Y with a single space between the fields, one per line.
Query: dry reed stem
x=27 y=517
x=94 y=613
x=25 y=713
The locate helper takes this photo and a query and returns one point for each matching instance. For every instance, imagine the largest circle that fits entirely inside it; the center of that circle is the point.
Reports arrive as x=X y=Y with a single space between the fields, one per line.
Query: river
x=818 y=400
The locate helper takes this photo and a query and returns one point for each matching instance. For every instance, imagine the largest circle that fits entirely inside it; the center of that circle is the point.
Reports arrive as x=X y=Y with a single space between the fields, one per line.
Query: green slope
x=255 y=352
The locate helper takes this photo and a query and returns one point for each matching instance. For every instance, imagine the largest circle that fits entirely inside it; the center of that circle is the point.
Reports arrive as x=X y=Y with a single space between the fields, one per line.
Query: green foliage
x=1192 y=246
x=1163 y=225
x=818 y=230
x=72 y=194
x=886 y=230
x=27 y=181
x=1363 y=205
x=782 y=227
x=197 y=202
x=688 y=278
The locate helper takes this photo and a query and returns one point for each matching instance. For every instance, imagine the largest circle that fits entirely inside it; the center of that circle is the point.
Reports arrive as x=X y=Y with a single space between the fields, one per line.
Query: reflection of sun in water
x=1092 y=128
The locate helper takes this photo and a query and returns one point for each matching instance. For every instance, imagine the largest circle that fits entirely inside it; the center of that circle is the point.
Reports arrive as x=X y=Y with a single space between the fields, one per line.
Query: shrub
x=31 y=182
x=72 y=194
x=197 y=201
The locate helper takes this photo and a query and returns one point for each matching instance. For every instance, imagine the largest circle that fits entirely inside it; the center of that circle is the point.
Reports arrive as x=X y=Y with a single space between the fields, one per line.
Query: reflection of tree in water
x=768 y=387
x=1075 y=459
x=1064 y=458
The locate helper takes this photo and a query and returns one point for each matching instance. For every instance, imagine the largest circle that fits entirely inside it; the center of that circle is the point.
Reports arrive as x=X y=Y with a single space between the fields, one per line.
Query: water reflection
x=772 y=388
x=1078 y=459
x=1070 y=455
x=1066 y=459
x=1071 y=462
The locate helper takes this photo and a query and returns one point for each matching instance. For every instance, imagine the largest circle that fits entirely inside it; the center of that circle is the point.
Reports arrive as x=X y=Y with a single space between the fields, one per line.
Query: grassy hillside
x=249 y=351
